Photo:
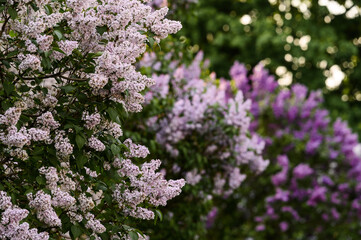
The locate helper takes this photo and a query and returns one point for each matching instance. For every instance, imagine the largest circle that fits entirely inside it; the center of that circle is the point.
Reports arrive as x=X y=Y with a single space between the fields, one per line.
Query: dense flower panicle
x=10 y=226
x=114 y=129
x=47 y=121
x=192 y=177
x=11 y=116
x=197 y=104
x=69 y=78
x=98 y=81
x=91 y=121
x=96 y=144
x=135 y=150
x=41 y=202
x=147 y=186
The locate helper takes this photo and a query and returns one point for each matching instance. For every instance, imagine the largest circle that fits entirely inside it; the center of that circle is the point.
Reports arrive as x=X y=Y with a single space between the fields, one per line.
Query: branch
x=4 y=25
x=74 y=79
x=56 y=75
x=41 y=77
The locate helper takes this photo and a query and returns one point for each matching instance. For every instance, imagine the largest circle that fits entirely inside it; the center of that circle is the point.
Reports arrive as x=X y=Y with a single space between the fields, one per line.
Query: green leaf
x=133 y=235
x=80 y=141
x=12 y=54
x=24 y=88
x=46 y=63
x=58 y=50
x=101 y=186
x=37 y=151
x=151 y=42
x=81 y=160
x=48 y=9
x=68 y=88
x=113 y=114
x=12 y=33
x=58 y=34
x=77 y=128
x=104 y=236
x=40 y=180
x=115 y=149
x=76 y=231
x=9 y=87
x=12 y=12
x=30 y=190
x=159 y=214
x=101 y=30
x=34 y=6
x=6 y=105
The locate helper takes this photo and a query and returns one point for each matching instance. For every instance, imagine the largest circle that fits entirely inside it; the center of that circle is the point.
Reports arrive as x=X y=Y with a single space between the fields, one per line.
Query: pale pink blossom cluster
x=41 y=202
x=147 y=185
x=96 y=144
x=94 y=224
x=10 y=226
x=98 y=81
x=193 y=177
x=114 y=129
x=47 y=121
x=15 y=138
x=11 y=116
x=29 y=61
x=49 y=101
x=44 y=42
x=60 y=197
x=135 y=150
x=62 y=144
x=68 y=46
x=91 y=121
x=191 y=114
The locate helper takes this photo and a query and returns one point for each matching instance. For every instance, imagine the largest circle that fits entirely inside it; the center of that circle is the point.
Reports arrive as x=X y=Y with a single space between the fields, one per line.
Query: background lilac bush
x=203 y=137
x=309 y=190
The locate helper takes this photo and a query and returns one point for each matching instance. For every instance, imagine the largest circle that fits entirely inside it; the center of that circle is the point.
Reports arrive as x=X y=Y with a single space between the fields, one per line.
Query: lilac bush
x=68 y=80
x=311 y=189
x=201 y=135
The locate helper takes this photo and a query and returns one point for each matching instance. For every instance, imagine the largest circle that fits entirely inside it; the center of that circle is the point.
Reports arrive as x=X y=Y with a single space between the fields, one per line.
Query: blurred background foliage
x=316 y=43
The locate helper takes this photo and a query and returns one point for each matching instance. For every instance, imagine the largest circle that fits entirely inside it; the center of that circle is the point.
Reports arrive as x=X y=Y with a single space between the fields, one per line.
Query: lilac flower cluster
x=201 y=112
